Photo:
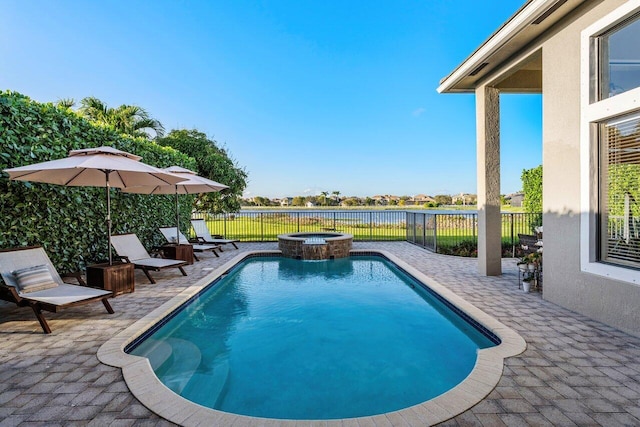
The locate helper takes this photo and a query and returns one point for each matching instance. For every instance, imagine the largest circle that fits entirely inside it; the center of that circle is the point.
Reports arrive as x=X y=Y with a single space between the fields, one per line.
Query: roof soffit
x=511 y=39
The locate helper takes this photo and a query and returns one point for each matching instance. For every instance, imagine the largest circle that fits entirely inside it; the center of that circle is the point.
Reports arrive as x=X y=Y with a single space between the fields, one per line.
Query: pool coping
x=158 y=398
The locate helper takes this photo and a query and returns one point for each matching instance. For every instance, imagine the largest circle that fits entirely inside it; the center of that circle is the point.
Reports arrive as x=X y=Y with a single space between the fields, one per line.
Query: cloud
x=418 y=112
x=313 y=191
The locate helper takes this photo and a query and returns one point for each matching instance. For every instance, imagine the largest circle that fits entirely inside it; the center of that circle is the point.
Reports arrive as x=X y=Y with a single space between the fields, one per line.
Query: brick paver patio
x=575 y=371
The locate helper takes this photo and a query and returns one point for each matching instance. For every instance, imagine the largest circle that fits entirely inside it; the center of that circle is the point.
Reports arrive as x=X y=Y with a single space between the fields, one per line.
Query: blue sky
x=307 y=96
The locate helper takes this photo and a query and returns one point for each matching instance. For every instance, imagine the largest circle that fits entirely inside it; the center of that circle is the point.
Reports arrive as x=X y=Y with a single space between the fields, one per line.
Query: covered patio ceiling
x=507 y=53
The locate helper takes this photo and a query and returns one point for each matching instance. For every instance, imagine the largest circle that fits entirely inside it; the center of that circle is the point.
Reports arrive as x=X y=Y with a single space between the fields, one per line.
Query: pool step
x=157 y=351
x=177 y=363
x=213 y=378
x=184 y=361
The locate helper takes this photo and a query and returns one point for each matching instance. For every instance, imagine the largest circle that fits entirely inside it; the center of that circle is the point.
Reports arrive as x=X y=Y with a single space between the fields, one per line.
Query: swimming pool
x=374 y=364
x=291 y=339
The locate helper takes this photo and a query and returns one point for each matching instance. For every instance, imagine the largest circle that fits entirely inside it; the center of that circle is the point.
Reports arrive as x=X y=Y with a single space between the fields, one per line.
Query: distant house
x=392 y=199
x=464 y=199
x=420 y=199
x=582 y=57
x=380 y=200
x=310 y=205
x=387 y=199
x=285 y=201
x=515 y=199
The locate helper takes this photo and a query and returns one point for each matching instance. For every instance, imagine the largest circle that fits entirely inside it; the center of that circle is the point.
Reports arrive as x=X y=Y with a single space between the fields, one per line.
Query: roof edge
x=526 y=15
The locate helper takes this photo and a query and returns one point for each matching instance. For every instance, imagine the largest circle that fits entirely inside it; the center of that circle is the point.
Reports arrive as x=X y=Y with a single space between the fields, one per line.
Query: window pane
x=620 y=59
x=620 y=186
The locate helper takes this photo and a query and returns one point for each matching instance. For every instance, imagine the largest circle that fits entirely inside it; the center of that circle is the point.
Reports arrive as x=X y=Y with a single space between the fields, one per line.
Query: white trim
x=511 y=28
x=596 y=112
x=614 y=106
x=612 y=19
x=612 y=272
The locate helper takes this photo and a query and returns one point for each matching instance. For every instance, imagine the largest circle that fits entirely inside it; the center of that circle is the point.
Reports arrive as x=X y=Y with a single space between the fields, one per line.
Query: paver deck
x=575 y=371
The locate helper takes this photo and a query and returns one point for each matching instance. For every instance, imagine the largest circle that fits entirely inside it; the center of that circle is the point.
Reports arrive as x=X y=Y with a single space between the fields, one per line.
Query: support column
x=488 y=159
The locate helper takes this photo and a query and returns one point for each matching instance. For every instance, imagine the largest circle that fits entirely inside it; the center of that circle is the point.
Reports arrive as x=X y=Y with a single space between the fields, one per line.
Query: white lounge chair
x=30 y=279
x=204 y=236
x=130 y=249
x=169 y=233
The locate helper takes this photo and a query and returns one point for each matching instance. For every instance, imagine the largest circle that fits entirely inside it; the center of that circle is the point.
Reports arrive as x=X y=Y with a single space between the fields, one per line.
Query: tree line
x=325 y=199
x=212 y=161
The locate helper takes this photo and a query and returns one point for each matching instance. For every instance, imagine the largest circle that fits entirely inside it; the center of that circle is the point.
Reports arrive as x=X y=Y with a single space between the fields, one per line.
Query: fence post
x=425 y=222
x=298 y=215
x=261 y=227
x=370 y=225
x=474 y=226
x=435 y=233
x=513 y=242
x=334 y=220
x=414 y=219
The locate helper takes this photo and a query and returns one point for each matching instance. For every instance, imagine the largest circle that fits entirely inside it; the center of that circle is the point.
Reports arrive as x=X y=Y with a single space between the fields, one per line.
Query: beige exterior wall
x=613 y=302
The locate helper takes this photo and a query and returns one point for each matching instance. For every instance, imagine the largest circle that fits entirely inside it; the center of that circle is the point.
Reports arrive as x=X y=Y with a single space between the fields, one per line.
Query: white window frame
x=591 y=113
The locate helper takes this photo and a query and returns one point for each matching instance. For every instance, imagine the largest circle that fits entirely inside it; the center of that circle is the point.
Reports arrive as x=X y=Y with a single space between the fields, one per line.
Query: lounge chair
x=130 y=249
x=169 y=233
x=31 y=280
x=203 y=235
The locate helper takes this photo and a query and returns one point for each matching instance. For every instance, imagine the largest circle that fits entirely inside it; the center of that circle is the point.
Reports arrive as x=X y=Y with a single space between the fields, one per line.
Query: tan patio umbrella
x=96 y=167
x=192 y=184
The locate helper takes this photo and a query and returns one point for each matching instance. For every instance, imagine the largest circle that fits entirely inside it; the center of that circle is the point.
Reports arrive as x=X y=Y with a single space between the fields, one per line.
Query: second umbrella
x=191 y=184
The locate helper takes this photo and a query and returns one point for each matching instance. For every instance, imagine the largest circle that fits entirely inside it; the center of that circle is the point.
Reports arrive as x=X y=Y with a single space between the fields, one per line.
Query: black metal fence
x=458 y=232
x=446 y=232
x=264 y=226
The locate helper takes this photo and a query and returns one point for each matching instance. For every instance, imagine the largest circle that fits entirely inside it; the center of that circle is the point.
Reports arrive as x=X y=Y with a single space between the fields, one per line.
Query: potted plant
x=523 y=263
x=526 y=282
x=535 y=258
x=529 y=262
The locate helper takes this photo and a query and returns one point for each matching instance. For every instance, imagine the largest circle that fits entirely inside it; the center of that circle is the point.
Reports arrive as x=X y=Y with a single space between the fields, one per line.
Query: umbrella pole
x=109 y=217
x=177 y=218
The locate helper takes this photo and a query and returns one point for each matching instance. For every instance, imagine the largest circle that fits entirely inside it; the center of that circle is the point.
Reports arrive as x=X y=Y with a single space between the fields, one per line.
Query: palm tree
x=128 y=119
x=66 y=103
x=323 y=199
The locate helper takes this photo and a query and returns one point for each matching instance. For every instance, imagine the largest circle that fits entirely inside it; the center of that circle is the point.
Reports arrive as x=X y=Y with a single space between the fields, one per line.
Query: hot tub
x=315 y=246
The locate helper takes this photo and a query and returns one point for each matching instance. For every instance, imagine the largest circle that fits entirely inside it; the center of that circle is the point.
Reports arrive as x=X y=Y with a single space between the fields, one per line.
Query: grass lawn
x=267 y=228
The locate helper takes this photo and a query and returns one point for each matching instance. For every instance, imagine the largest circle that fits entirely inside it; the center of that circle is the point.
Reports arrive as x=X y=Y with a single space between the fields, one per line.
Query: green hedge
x=532 y=188
x=69 y=222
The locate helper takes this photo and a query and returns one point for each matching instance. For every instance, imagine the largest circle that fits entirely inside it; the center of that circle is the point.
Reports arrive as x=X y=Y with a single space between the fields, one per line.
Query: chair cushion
x=33 y=279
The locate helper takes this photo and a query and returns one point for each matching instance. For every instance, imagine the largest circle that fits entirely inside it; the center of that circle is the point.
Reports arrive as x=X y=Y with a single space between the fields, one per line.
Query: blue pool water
x=291 y=339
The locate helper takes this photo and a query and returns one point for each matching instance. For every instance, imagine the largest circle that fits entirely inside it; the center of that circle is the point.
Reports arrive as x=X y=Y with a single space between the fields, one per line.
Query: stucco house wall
x=544 y=48
x=613 y=302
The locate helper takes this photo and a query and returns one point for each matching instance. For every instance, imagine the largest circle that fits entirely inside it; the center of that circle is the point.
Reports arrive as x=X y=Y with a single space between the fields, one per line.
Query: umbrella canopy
x=95 y=167
x=192 y=184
